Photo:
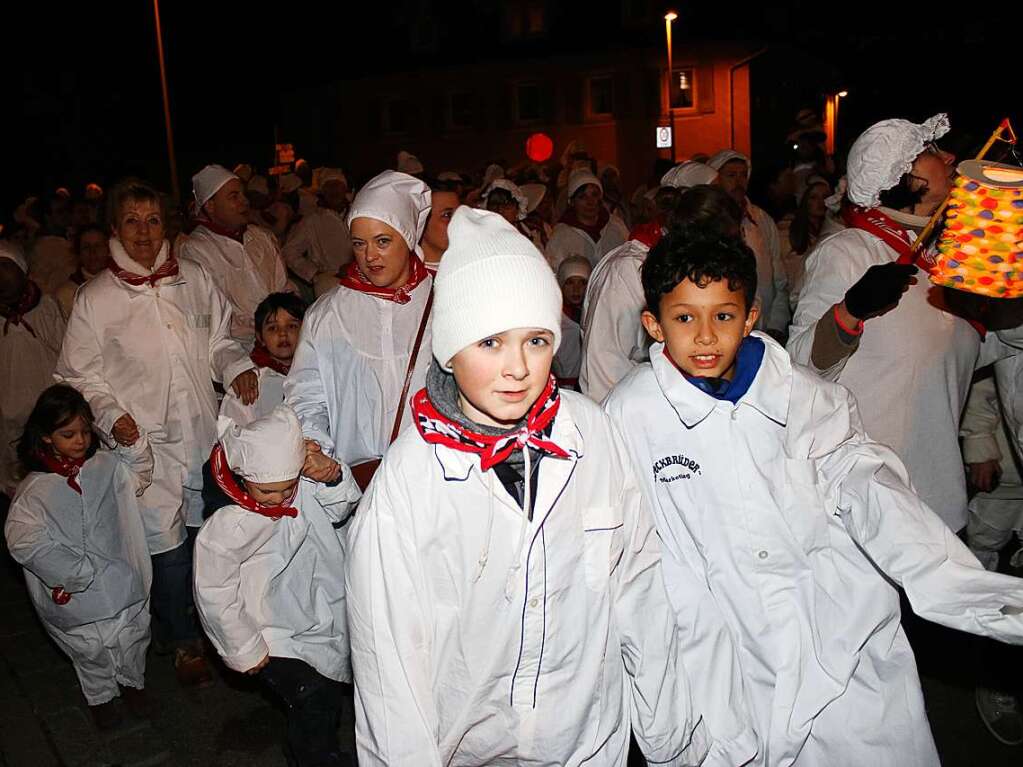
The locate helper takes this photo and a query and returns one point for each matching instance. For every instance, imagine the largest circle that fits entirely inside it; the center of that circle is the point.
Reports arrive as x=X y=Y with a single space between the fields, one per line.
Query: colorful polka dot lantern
x=981 y=248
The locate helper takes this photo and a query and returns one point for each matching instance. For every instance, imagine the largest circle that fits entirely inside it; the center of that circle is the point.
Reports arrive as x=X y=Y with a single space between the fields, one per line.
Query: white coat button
x=762 y=555
x=534 y=602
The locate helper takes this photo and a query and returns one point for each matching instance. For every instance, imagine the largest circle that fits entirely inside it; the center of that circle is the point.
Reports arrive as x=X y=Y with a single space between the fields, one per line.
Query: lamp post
x=175 y=187
x=831 y=119
x=670 y=17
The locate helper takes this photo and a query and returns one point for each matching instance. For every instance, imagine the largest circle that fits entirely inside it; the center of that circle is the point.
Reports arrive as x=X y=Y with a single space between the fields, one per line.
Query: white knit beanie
x=491 y=279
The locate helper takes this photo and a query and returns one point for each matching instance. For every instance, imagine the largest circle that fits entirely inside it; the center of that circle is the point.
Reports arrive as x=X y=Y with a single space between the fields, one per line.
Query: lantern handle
x=1003 y=126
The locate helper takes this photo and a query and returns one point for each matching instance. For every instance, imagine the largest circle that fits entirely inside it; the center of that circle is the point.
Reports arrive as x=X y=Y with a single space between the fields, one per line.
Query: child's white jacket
x=92 y=544
x=349 y=369
x=479 y=637
x=277 y=587
x=777 y=518
x=271 y=395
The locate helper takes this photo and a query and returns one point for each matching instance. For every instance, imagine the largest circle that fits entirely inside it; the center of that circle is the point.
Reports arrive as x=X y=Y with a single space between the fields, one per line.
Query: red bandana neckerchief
x=29 y=300
x=66 y=467
x=262 y=358
x=649 y=234
x=437 y=429
x=168 y=268
x=226 y=482
x=593 y=231
x=874 y=221
x=354 y=279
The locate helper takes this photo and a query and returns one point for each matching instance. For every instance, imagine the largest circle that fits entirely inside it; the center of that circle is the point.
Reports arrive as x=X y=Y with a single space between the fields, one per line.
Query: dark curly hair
x=268 y=307
x=700 y=255
x=57 y=406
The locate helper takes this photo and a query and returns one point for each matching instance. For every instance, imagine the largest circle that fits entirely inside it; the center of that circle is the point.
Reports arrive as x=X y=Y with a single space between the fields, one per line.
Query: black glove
x=880 y=288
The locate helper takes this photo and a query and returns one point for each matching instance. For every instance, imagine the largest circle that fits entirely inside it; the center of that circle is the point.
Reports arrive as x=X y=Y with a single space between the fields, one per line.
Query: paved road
x=44 y=721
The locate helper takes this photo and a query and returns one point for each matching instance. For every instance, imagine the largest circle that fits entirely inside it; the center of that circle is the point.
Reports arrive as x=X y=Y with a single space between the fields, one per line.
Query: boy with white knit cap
x=359 y=348
x=269 y=575
x=504 y=592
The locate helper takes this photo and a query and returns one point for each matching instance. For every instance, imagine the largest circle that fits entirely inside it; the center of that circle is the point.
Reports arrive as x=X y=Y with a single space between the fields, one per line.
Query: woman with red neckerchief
x=352 y=362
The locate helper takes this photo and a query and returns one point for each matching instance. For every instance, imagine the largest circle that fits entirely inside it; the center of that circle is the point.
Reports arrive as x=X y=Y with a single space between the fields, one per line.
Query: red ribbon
x=168 y=268
x=438 y=429
x=262 y=358
x=353 y=278
x=66 y=467
x=226 y=482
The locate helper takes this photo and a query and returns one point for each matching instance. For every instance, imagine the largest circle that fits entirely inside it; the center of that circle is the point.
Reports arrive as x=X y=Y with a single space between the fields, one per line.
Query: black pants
x=313 y=705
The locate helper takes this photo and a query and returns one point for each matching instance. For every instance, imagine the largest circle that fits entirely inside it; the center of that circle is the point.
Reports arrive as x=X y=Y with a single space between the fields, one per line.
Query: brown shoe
x=192 y=669
x=106 y=715
x=137 y=702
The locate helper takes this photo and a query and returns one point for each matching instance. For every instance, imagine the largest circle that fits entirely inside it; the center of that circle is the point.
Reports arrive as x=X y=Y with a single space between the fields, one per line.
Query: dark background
x=82 y=91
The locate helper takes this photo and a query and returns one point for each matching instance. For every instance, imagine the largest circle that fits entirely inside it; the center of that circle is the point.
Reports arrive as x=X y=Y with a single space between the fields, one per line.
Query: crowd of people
x=537 y=466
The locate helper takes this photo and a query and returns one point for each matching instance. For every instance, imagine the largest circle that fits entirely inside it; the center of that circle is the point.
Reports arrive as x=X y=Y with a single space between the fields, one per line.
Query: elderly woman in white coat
x=357 y=342
x=145 y=341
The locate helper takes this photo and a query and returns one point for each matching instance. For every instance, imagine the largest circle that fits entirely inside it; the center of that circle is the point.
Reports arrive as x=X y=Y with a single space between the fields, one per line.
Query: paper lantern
x=539 y=147
x=981 y=248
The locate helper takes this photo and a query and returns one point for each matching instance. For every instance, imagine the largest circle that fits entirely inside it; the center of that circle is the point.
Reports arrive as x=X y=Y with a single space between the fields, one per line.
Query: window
x=396 y=116
x=601 y=96
x=527 y=102
x=523 y=19
x=682 y=88
x=461 y=110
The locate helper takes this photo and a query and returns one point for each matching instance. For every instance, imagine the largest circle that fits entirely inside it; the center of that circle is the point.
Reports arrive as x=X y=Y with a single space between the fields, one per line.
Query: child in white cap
x=505 y=599
x=243 y=260
x=360 y=344
x=573 y=275
x=269 y=576
x=31 y=331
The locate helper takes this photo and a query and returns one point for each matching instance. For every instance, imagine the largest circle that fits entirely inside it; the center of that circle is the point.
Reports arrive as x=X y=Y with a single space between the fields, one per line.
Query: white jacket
x=153 y=353
x=479 y=637
x=271 y=394
x=760 y=233
x=614 y=340
x=246 y=274
x=93 y=544
x=277 y=587
x=567 y=241
x=778 y=516
x=319 y=242
x=26 y=368
x=349 y=369
x=911 y=373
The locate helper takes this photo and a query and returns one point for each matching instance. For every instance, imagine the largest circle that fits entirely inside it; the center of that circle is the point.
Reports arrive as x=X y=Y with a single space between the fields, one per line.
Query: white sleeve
x=610 y=339
x=981 y=421
x=228 y=358
x=305 y=394
x=138 y=460
x=218 y=600
x=340 y=500
x=81 y=365
x=912 y=545
x=295 y=249
x=830 y=272
x=33 y=547
x=397 y=724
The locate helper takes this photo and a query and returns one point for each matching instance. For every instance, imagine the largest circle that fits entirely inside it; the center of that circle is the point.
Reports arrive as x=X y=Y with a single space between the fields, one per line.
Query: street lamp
x=831 y=119
x=669 y=17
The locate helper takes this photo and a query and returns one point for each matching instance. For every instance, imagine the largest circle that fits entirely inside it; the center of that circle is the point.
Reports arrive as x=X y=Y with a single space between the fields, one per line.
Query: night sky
x=83 y=97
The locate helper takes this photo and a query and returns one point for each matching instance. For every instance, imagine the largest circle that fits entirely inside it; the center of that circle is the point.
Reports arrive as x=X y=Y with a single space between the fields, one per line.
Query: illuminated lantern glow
x=539 y=147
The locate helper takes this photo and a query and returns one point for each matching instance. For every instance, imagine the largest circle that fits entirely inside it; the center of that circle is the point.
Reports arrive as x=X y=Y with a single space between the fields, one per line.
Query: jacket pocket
x=602 y=544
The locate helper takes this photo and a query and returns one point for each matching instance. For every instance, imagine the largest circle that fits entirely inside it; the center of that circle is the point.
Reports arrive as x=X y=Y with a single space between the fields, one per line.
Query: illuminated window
x=682 y=88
